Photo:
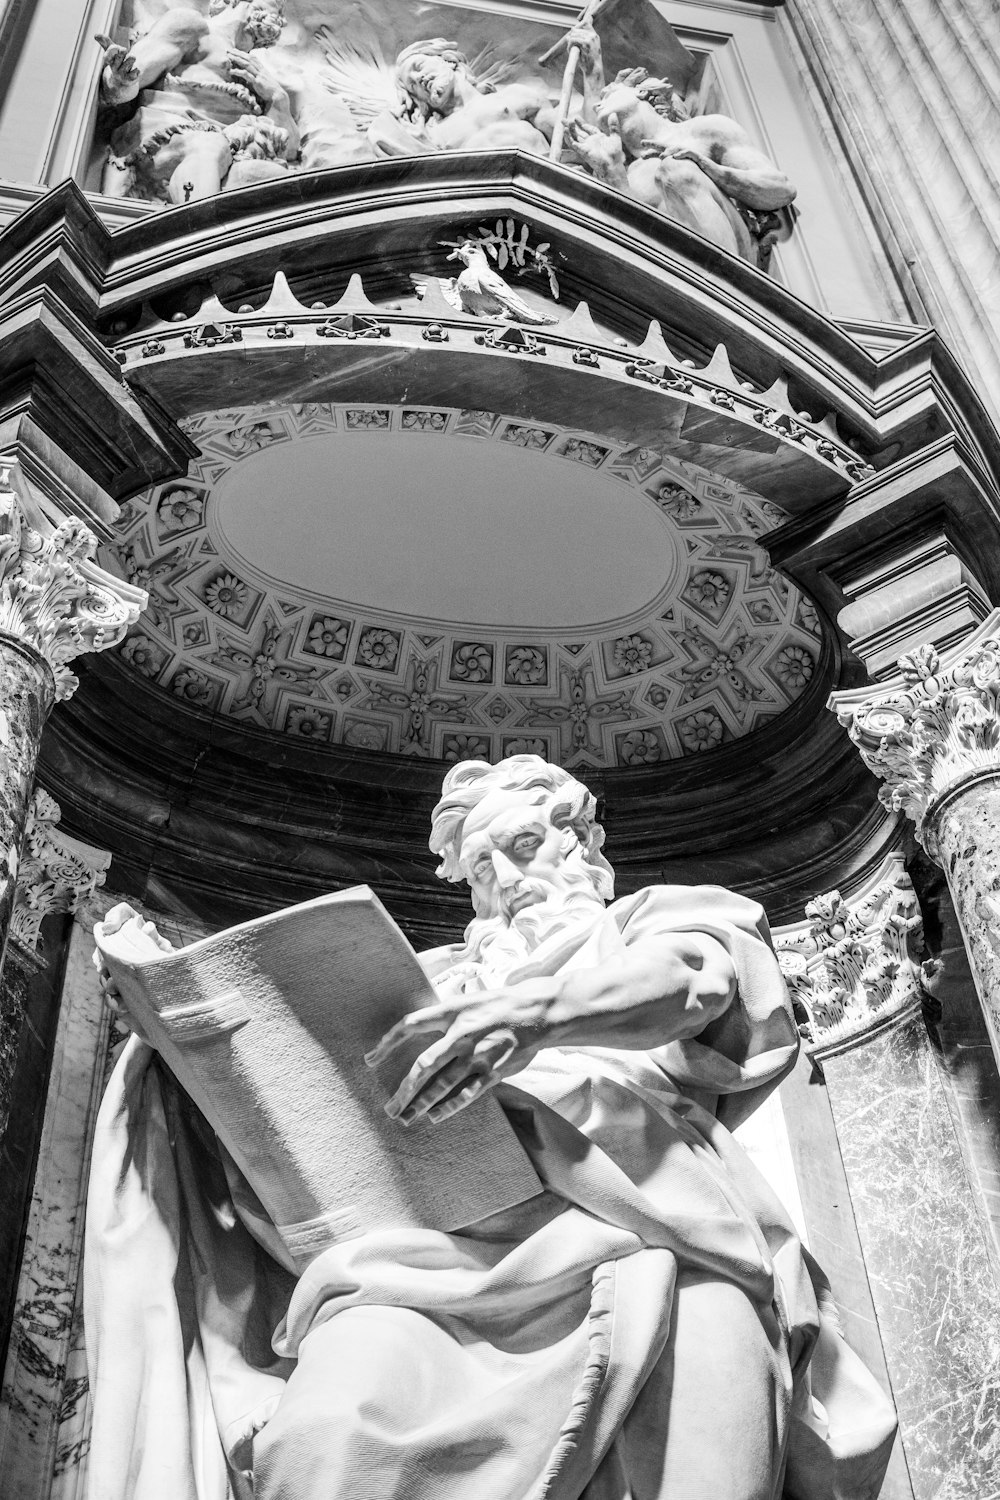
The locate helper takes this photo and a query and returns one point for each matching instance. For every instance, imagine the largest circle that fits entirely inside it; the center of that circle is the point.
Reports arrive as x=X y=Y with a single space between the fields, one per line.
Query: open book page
x=266 y=1025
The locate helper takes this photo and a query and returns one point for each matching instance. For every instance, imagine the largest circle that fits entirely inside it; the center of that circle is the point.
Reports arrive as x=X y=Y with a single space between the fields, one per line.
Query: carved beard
x=521 y=932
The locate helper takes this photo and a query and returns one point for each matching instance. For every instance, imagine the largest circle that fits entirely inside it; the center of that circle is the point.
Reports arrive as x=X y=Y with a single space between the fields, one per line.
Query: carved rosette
x=57 y=873
x=933 y=727
x=850 y=968
x=53 y=597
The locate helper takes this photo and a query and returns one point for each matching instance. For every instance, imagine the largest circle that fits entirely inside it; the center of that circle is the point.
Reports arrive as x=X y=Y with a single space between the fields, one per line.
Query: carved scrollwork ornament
x=851 y=967
x=57 y=873
x=933 y=728
x=53 y=597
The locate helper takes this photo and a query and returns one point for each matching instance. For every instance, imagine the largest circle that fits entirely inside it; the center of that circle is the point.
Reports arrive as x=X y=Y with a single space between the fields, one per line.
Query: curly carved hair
x=658 y=92
x=436 y=46
x=570 y=805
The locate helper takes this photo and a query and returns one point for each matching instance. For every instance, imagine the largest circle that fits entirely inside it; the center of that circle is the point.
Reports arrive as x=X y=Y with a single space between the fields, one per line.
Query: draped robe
x=647 y=1328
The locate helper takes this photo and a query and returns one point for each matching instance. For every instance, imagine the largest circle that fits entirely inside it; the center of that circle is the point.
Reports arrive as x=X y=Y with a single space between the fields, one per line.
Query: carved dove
x=482 y=291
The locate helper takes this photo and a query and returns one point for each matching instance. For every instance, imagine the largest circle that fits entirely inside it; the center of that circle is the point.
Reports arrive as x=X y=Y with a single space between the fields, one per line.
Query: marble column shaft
x=965 y=841
x=27 y=692
x=912 y=88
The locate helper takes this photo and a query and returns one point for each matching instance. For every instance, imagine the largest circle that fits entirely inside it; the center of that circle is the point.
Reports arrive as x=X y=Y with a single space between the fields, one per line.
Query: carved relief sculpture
x=644 y=1324
x=199 y=102
x=704 y=172
x=481 y=291
x=210 y=111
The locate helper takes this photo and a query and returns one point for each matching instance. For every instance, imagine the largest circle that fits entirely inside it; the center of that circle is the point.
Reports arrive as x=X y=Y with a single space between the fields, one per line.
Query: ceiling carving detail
x=725 y=645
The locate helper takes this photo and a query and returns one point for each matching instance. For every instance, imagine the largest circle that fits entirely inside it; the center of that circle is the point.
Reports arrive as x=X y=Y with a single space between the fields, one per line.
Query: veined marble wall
x=929 y=1265
x=44 y=1408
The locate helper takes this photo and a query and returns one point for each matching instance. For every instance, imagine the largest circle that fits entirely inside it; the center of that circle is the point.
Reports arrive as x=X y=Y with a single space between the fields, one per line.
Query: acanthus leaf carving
x=851 y=967
x=53 y=597
x=57 y=873
x=933 y=725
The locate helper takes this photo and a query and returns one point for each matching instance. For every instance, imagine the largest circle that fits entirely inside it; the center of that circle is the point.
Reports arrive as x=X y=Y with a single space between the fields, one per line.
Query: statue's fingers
x=486 y=1069
x=417 y=1023
x=464 y=1097
x=494 y=1050
x=426 y=1070
x=451 y=1077
x=116 y=917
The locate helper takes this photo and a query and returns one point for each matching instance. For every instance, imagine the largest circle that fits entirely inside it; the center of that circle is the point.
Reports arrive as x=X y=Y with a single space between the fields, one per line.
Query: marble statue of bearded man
x=647 y=1327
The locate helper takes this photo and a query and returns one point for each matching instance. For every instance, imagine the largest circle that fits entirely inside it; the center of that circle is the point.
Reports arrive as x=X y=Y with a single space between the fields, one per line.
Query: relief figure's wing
x=358 y=73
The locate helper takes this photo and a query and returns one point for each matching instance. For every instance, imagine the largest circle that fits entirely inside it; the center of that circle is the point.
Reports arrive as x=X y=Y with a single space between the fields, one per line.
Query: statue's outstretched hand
x=486 y=1038
x=255 y=75
x=600 y=150
x=113 y=921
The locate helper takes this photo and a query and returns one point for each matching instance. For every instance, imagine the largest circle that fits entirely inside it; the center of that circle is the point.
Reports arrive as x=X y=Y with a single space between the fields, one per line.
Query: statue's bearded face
x=514 y=856
x=430 y=80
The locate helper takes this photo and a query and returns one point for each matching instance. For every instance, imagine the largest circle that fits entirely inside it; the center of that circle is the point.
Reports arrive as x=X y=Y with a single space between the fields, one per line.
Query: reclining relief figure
x=227 y=98
x=647 y=1325
x=211 y=113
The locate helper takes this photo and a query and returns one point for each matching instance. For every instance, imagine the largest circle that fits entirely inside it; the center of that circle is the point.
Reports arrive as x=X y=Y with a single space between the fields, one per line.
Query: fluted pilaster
x=912 y=88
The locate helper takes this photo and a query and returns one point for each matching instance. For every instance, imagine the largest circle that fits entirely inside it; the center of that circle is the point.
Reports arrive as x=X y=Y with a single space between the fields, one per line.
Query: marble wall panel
x=832 y=1232
x=31 y=990
x=44 y=1399
x=38 y=1396
x=962 y=1042
x=928 y=1265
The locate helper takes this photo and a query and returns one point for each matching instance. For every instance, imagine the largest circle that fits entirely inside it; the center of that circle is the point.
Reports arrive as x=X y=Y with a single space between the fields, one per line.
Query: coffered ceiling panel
x=455 y=582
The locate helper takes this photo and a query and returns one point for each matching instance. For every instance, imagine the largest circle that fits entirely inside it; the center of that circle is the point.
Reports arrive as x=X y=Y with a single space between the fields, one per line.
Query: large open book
x=266 y=1025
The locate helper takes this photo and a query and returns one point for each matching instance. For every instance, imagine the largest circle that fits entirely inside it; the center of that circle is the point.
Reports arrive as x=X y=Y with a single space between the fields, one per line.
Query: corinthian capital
x=53 y=597
x=935 y=724
x=850 y=967
x=56 y=873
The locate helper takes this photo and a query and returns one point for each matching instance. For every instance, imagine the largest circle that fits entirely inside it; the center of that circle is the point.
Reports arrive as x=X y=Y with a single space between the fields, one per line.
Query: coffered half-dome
x=456 y=582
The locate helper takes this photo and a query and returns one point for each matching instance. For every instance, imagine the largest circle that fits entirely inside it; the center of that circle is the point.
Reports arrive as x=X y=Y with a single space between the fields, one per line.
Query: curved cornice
x=384 y=219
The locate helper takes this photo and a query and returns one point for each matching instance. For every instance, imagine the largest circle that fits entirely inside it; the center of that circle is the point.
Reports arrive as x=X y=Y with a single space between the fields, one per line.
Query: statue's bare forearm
x=661 y=990
x=762 y=187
